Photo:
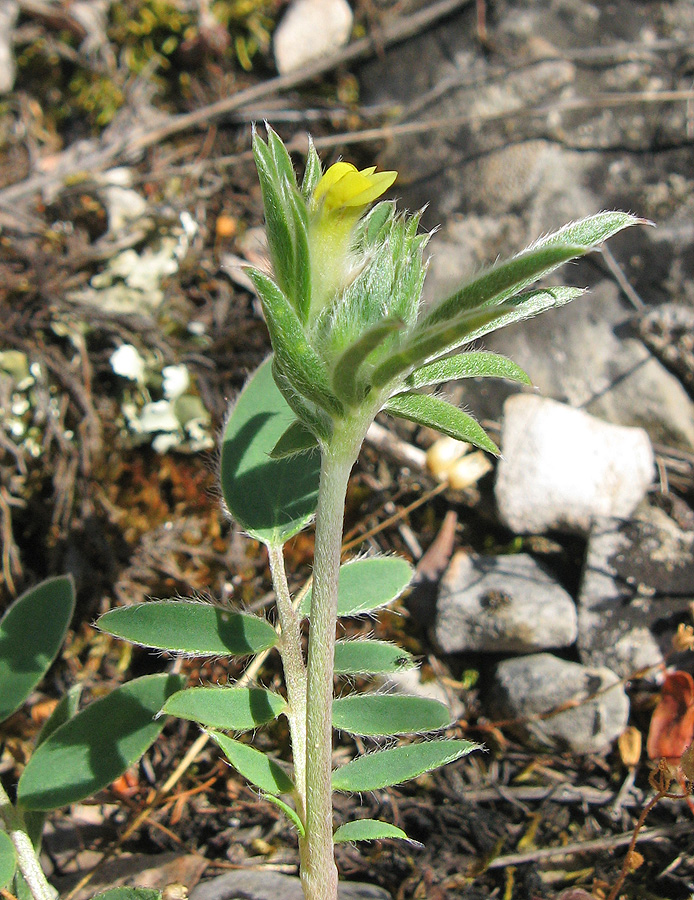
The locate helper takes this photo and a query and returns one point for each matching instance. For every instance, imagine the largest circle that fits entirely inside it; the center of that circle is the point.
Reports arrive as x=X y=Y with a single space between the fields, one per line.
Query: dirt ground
x=131 y=510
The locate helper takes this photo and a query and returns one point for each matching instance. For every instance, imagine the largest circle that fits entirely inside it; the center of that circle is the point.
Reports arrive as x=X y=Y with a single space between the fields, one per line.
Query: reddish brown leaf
x=672 y=724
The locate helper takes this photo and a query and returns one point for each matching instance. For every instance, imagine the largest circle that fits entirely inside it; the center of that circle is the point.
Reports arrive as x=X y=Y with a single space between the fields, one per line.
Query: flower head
x=345 y=187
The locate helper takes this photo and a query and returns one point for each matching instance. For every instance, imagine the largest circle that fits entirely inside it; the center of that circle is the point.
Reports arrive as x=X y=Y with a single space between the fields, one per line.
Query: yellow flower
x=339 y=200
x=345 y=187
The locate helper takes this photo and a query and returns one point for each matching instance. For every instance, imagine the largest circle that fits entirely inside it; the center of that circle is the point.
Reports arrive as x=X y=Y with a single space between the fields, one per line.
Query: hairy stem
x=294 y=673
x=27 y=860
x=318 y=870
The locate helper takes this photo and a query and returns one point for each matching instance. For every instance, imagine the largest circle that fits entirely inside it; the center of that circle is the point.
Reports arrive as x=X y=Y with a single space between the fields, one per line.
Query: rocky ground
x=554 y=588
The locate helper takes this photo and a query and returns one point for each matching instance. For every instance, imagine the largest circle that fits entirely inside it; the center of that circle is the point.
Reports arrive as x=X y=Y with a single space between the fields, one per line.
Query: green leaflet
x=425 y=344
x=442 y=416
x=279 y=233
x=526 y=305
x=505 y=279
x=290 y=813
x=502 y=281
x=316 y=420
x=372 y=226
x=27 y=651
x=363 y=657
x=95 y=747
x=259 y=769
x=226 y=708
x=346 y=382
x=280 y=157
x=301 y=284
x=368 y=830
x=296 y=439
x=384 y=714
x=186 y=626
x=8 y=859
x=473 y=364
x=299 y=361
x=271 y=499
x=64 y=710
x=367 y=584
x=592 y=230
x=312 y=172
x=387 y=767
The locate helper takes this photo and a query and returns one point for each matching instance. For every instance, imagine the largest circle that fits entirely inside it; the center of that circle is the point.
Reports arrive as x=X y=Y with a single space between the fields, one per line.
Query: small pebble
x=527 y=687
x=502 y=604
x=311 y=29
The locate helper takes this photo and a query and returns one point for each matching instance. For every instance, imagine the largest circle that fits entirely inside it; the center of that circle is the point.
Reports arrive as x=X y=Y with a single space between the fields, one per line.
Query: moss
x=96 y=95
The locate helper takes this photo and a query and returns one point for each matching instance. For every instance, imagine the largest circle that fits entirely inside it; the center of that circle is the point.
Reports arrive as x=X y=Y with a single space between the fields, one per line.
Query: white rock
x=527 y=687
x=310 y=30
x=562 y=468
x=502 y=604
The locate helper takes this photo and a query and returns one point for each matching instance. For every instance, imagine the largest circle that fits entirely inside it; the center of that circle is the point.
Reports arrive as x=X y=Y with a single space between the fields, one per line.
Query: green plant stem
x=294 y=672
x=318 y=870
x=28 y=862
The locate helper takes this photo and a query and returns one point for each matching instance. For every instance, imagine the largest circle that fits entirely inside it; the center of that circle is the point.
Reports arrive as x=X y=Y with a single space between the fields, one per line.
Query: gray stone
x=527 y=687
x=310 y=30
x=502 y=604
x=259 y=884
x=562 y=468
x=638 y=583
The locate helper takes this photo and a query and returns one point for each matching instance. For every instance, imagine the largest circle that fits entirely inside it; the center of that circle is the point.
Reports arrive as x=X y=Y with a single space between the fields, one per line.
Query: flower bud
x=338 y=202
